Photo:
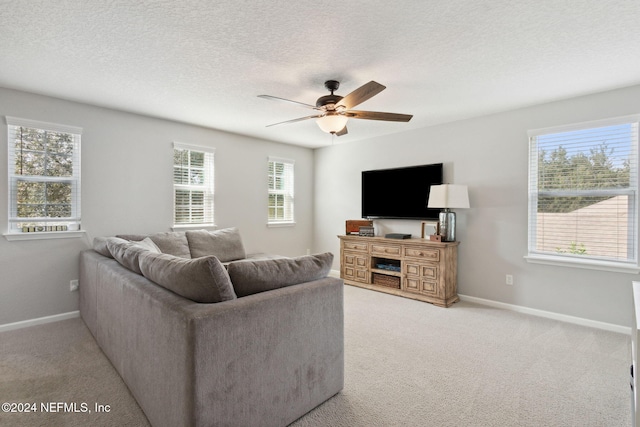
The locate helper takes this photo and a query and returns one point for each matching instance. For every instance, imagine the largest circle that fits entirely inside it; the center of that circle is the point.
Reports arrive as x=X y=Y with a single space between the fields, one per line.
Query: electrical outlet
x=73 y=285
x=509 y=279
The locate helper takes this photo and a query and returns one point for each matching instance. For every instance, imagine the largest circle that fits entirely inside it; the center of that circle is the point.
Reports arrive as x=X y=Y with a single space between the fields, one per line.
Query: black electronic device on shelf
x=397 y=236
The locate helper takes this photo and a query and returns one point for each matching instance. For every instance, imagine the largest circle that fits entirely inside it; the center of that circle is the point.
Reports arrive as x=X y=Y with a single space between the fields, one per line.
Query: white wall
x=127 y=188
x=490 y=155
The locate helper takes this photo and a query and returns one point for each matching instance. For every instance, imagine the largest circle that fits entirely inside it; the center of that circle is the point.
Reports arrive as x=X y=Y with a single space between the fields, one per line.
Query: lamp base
x=447 y=225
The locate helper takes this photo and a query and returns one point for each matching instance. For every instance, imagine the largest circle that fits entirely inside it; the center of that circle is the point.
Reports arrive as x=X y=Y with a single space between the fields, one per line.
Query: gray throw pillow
x=100 y=246
x=173 y=243
x=250 y=277
x=132 y=237
x=203 y=280
x=128 y=253
x=225 y=244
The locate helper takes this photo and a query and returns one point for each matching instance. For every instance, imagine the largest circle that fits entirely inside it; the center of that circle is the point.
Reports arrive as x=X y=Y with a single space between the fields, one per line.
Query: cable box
x=397 y=236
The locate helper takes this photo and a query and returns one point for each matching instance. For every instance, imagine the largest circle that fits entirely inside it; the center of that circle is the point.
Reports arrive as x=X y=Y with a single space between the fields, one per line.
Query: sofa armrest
x=281 y=351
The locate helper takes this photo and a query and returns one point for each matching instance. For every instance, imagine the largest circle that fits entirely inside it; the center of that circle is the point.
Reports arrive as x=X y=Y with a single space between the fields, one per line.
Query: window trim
x=292 y=221
x=620 y=266
x=201 y=149
x=76 y=181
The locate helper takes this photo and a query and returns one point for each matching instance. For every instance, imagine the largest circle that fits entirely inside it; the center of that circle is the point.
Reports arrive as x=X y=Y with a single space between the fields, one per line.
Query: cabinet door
x=418 y=285
x=355 y=267
x=412 y=284
x=429 y=287
x=421 y=278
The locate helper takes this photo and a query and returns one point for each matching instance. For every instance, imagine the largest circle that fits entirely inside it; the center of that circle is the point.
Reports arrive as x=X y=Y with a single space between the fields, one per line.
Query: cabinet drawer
x=355 y=246
x=386 y=250
x=427 y=254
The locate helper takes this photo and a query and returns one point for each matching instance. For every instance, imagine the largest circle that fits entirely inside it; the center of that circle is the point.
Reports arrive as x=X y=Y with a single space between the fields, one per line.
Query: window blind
x=583 y=184
x=44 y=176
x=193 y=184
x=281 y=194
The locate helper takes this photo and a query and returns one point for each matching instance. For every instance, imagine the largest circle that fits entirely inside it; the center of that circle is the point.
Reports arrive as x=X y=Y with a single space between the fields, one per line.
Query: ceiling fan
x=334 y=110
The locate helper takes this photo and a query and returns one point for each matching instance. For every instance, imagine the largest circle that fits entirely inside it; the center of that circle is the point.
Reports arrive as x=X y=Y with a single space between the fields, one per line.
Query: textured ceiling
x=205 y=62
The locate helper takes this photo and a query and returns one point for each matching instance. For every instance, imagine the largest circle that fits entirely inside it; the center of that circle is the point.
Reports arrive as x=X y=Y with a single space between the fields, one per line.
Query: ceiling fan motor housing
x=328 y=100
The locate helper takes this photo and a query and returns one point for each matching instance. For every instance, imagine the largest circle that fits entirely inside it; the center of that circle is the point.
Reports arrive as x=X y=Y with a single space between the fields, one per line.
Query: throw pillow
x=173 y=243
x=203 y=280
x=148 y=244
x=128 y=253
x=225 y=244
x=100 y=246
x=250 y=277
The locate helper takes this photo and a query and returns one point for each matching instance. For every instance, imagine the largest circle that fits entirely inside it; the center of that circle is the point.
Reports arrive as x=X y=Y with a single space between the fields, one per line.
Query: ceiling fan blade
x=275 y=98
x=376 y=115
x=361 y=94
x=342 y=132
x=296 y=120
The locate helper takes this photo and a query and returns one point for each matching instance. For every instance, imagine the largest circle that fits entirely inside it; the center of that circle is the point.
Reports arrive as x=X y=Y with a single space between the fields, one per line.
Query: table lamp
x=447 y=196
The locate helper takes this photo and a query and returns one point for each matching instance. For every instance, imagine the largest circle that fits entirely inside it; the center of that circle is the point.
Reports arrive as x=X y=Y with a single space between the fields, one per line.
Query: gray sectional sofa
x=268 y=352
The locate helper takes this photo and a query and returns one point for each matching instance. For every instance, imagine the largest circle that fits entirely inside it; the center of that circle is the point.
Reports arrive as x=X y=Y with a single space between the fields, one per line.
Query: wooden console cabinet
x=413 y=268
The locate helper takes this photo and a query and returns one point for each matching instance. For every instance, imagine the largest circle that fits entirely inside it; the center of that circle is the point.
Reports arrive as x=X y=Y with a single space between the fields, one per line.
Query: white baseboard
x=540 y=313
x=334 y=273
x=39 y=321
x=549 y=315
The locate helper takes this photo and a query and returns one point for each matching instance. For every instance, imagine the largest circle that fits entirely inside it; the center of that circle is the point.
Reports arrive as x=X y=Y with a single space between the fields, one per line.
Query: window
x=192 y=185
x=44 y=178
x=583 y=203
x=280 y=191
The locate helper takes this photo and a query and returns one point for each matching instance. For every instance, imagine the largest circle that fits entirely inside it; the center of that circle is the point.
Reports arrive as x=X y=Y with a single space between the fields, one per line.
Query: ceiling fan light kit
x=332 y=123
x=335 y=110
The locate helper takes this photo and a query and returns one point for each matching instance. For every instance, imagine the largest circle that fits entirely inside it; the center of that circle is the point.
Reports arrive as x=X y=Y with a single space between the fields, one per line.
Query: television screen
x=400 y=192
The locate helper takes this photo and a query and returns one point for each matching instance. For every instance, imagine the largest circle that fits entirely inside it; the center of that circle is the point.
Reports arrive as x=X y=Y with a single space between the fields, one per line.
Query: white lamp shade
x=332 y=123
x=448 y=196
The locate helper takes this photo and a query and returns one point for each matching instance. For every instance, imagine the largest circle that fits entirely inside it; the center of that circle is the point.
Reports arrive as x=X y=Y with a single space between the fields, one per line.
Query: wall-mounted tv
x=400 y=192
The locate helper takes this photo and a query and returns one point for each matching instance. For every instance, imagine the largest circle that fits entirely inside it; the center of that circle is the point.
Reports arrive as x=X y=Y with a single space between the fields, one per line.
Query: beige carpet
x=407 y=363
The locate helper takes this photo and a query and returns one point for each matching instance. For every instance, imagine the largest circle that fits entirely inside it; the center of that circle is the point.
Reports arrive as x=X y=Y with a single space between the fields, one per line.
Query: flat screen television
x=400 y=193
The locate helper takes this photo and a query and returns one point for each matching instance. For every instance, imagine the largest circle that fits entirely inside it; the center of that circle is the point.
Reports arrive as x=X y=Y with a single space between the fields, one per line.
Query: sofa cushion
x=225 y=244
x=250 y=277
x=128 y=253
x=203 y=280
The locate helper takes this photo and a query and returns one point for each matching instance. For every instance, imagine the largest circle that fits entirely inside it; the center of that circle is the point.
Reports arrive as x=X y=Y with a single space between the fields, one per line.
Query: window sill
x=281 y=224
x=185 y=227
x=45 y=235
x=587 y=264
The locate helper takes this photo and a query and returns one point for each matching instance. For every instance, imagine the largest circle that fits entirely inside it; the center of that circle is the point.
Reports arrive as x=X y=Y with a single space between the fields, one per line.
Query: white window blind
x=193 y=185
x=583 y=186
x=281 y=199
x=44 y=176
